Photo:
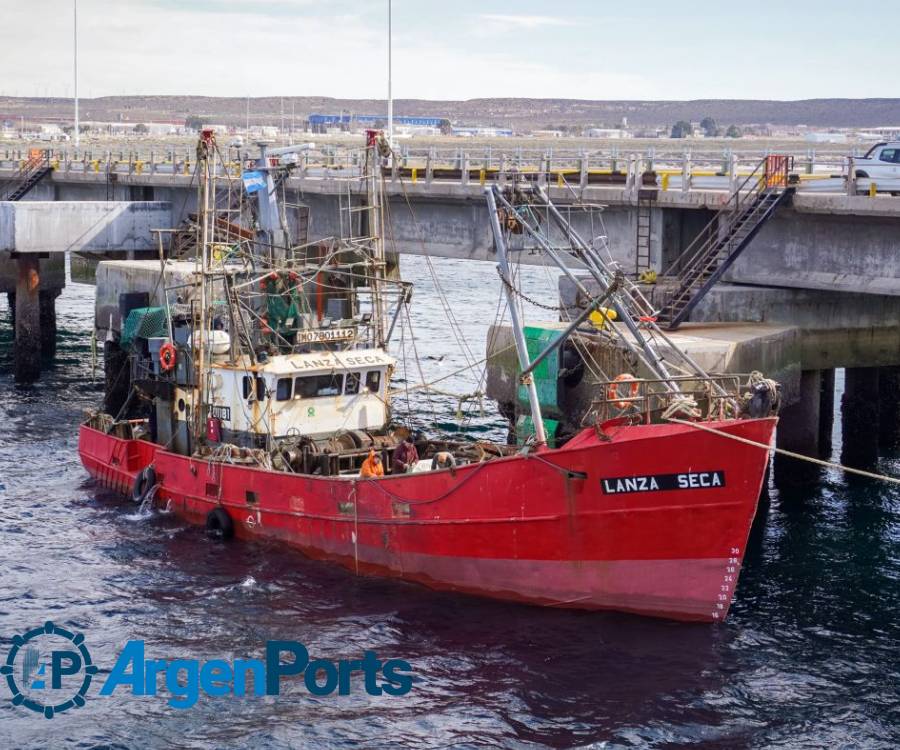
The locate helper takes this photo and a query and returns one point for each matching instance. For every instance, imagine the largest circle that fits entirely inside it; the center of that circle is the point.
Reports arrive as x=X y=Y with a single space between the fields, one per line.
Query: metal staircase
x=729 y=233
x=34 y=169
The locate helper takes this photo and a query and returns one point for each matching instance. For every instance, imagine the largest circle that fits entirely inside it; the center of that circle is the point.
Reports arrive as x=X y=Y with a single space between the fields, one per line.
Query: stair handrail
x=748 y=213
x=37 y=159
x=753 y=184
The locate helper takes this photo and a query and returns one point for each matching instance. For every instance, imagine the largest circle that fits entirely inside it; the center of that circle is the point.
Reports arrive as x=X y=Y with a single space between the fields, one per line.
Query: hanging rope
x=790 y=454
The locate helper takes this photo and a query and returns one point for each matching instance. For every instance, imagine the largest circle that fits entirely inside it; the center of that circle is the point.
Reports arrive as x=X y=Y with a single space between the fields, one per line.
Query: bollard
x=415 y=175
x=873 y=189
x=665 y=181
x=482 y=176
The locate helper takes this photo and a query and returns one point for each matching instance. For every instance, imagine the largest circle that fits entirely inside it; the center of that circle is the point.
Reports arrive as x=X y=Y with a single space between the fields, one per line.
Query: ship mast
x=527 y=377
x=375 y=215
x=206 y=162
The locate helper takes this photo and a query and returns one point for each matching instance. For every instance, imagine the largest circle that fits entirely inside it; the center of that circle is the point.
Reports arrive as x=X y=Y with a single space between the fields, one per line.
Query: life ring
x=219 y=524
x=613 y=394
x=167 y=356
x=144 y=481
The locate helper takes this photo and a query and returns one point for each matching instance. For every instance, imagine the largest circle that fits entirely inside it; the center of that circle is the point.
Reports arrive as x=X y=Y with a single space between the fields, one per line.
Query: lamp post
x=390 y=112
x=75 y=66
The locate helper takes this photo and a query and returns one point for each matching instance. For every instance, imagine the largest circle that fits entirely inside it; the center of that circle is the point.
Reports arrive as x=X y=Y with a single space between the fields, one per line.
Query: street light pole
x=390 y=112
x=75 y=37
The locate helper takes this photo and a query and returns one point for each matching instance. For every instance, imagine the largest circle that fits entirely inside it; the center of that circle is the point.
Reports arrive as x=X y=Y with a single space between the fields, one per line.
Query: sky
x=454 y=49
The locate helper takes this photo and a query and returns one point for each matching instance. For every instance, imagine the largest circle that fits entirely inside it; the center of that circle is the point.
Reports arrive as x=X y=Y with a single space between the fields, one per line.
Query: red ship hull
x=649 y=519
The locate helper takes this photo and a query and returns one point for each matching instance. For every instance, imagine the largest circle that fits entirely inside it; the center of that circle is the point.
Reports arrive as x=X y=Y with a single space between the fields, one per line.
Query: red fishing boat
x=650 y=519
x=261 y=417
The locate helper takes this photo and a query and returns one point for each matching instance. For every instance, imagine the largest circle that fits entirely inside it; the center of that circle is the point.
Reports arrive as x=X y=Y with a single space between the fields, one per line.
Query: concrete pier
x=826 y=412
x=47 y=302
x=799 y=432
x=860 y=417
x=889 y=404
x=27 y=364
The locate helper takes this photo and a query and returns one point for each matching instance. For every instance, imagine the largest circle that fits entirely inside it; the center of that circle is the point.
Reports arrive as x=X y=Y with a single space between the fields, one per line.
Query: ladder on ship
x=722 y=241
x=34 y=169
x=646 y=198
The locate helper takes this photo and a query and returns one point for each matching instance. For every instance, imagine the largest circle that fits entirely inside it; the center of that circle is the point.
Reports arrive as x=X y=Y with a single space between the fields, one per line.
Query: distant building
x=479 y=132
x=826 y=137
x=607 y=133
x=547 y=133
x=322 y=123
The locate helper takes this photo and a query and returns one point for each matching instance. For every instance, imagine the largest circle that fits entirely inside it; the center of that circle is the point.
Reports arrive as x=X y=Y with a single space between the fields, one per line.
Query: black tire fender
x=219 y=524
x=144 y=481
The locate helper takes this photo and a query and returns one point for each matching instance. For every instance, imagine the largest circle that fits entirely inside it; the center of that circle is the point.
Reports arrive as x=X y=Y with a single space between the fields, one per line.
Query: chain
x=518 y=293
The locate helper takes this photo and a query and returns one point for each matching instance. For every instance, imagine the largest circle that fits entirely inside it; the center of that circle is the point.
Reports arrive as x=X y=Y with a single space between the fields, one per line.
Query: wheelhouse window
x=284 y=389
x=373 y=381
x=247 y=387
x=351 y=383
x=319 y=385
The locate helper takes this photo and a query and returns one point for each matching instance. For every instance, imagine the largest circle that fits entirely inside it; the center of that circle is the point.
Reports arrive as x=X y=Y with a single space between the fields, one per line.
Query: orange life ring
x=167 y=356
x=613 y=394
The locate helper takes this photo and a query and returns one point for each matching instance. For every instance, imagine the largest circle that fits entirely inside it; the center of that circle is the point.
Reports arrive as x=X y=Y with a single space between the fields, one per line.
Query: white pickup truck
x=880 y=166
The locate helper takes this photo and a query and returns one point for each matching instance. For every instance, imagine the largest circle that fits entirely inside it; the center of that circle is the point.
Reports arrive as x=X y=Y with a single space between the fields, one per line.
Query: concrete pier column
x=798 y=431
x=826 y=412
x=47 y=301
x=27 y=364
x=889 y=404
x=859 y=417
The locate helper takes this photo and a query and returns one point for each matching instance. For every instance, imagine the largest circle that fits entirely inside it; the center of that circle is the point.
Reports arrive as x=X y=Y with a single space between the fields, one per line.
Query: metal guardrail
x=644 y=400
x=668 y=170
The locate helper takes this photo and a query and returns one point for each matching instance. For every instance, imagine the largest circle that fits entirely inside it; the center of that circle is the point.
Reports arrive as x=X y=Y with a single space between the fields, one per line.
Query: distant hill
x=516 y=113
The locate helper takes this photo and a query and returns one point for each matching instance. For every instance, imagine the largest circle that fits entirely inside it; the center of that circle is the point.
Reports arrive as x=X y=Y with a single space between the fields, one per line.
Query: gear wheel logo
x=48 y=670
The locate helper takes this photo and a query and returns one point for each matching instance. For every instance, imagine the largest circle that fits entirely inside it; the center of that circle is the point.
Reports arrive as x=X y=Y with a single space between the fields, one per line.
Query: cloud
x=187 y=50
x=523 y=22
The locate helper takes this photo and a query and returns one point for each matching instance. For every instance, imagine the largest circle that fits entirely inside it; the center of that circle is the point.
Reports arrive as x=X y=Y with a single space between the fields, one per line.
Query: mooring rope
x=791 y=454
